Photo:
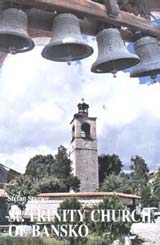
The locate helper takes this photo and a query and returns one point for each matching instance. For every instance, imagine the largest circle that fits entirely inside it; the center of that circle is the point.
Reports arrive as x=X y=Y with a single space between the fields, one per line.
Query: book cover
x=79 y=127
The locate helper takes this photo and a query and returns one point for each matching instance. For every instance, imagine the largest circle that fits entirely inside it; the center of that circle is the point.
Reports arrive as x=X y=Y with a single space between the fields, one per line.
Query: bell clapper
x=69 y=59
x=154 y=78
x=12 y=50
x=114 y=72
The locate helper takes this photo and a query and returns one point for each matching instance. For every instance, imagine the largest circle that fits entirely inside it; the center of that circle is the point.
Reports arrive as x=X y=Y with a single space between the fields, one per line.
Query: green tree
x=109 y=231
x=20 y=190
x=117 y=183
x=72 y=183
x=147 y=198
x=72 y=203
x=109 y=164
x=40 y=166
x=139 y=174
x=52 y=174
x=62 y=167
x=156 y=188
x=50 y=185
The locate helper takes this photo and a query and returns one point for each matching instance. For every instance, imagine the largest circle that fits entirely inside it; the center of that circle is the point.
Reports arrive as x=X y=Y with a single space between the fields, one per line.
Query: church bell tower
x=84 y=149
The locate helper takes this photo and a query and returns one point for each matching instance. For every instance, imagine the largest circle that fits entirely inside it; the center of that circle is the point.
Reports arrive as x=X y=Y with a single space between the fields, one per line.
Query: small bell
x=148 y=49
x=112 y=53
x=14 y=37
x=67 y=43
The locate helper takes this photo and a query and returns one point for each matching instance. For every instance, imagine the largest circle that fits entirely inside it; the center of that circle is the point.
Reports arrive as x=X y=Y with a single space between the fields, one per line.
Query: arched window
x=73 y=132
x=85 y=130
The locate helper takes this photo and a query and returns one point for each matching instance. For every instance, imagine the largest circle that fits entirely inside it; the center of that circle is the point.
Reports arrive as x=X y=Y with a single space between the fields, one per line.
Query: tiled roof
x=89 y=194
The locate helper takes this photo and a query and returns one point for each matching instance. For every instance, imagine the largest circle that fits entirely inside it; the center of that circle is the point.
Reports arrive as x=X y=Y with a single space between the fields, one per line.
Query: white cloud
x=46 y=111
x=39 y=98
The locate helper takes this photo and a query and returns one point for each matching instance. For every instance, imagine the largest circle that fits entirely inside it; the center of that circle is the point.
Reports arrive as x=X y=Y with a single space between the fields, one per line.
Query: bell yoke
x=67 y=44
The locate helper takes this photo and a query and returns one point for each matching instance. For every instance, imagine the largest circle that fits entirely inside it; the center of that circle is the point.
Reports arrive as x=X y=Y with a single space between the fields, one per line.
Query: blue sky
x=39 y=98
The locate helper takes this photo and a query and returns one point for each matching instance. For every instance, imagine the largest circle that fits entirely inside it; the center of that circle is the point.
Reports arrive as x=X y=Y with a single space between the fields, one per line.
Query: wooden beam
x=40 y=25
x=34 y=33
x=154 y=5
x=88 y=8
x=41 y=22
x=111 y=8
x=143 y=8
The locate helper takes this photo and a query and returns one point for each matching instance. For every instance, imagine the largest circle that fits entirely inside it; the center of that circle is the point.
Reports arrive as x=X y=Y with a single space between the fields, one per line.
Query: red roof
x=89 y=194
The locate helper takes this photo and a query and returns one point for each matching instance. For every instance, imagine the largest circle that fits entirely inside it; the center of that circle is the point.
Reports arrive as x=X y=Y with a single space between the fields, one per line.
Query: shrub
x=30 y=241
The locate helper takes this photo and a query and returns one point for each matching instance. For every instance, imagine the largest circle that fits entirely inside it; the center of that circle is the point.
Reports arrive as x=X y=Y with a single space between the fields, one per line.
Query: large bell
x=14 y=37
x=66 y=44
x=148 y=50
x=113 y=55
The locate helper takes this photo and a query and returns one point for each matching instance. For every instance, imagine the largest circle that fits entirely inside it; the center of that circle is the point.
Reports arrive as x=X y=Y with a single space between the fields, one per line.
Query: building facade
x=46 y=202
x=84 y=149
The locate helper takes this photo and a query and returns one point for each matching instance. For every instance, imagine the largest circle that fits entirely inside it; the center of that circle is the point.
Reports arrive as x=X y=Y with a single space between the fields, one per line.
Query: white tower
x=84 y=149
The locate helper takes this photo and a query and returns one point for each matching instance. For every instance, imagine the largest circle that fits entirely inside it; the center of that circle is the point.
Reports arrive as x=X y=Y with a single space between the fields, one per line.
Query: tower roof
x=82 y=111
x=83 y=108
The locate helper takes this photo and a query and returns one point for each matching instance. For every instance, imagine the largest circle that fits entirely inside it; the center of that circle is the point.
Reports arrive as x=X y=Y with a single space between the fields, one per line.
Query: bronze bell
x=148 y=50
x=14 y=37
x=67 y=43
x=113 y=55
